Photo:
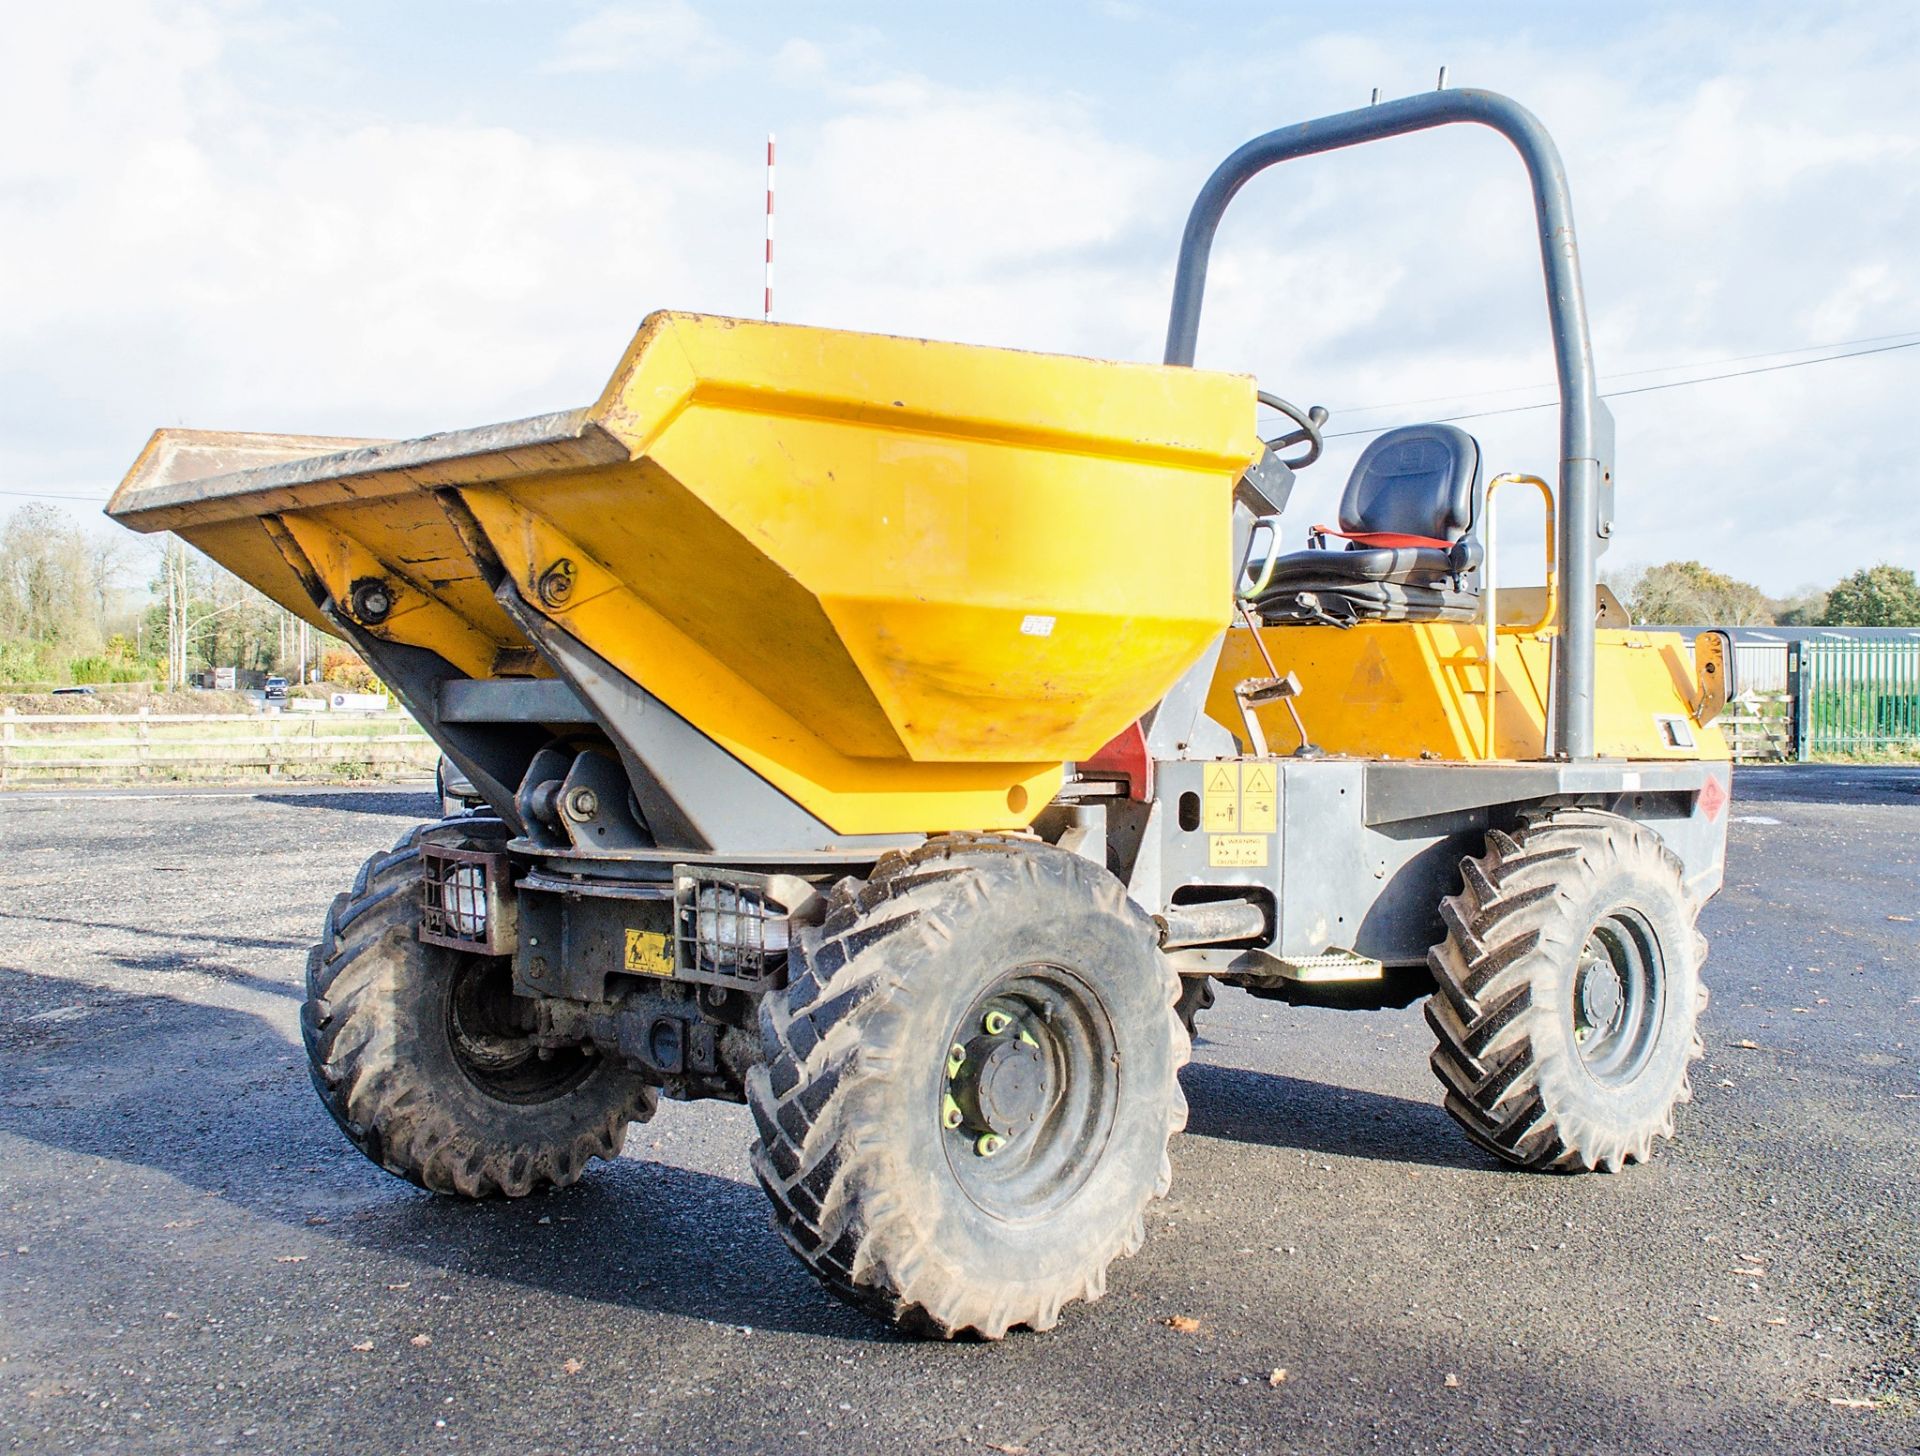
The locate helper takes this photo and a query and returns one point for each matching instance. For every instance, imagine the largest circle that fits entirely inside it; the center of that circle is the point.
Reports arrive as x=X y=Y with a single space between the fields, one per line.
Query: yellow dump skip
x=903 y=580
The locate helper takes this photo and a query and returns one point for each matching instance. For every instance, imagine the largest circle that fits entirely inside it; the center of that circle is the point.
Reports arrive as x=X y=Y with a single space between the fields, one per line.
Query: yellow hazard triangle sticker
x=1372 y=682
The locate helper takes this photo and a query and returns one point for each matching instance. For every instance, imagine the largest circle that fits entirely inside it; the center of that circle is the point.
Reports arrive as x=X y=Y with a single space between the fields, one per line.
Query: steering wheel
x=1309 y=421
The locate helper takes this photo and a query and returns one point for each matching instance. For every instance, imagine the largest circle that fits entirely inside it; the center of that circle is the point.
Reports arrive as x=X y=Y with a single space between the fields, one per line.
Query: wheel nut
x=989 y=1143
x=956 y=1059
x=996 y=1022
x=949 y=1113
x=583 y=803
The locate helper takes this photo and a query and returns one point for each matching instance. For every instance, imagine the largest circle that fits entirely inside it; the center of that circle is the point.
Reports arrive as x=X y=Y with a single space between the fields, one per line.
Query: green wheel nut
x=989 y=1143
x=949 y=1112
x=956 y=1059
x=996 y=1022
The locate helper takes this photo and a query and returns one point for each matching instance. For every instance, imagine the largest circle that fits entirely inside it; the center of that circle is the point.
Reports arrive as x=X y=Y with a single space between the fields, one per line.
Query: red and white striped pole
x=767 y=303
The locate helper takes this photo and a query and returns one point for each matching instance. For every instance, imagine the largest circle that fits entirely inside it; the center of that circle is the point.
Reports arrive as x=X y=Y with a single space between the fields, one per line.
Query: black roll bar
x=1586 y=429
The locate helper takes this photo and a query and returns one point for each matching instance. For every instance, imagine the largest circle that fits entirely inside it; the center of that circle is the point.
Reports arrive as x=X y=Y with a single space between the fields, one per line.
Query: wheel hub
x=487 y=1032
x=1619 y=995
x=481 y=1028
x=1001 y=1088
x=1029 y=1091
x=1602 y=995
x=998 y=1083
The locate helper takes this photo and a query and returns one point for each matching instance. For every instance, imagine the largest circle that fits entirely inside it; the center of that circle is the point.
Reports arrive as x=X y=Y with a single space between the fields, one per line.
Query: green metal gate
x=1856 y=697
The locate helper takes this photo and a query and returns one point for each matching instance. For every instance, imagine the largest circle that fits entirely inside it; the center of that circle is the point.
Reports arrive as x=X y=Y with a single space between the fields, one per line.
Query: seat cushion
x=1369 y=601
x=1304 y=569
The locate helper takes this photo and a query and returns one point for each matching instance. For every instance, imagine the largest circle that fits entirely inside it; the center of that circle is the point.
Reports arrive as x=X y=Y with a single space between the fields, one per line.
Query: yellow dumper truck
x=903 y=738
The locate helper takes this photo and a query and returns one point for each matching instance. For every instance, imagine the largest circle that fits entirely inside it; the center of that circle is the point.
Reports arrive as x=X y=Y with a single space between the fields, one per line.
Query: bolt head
x=556 y=583
x=371 y=599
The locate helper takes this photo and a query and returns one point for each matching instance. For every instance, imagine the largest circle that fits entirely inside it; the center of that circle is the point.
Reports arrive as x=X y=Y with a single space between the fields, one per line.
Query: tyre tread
x=378 y=1098
x=824 y=1041
x=1511 y=909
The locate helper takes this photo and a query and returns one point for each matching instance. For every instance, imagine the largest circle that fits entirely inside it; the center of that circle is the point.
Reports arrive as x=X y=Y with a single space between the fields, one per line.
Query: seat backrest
x=1418 y=480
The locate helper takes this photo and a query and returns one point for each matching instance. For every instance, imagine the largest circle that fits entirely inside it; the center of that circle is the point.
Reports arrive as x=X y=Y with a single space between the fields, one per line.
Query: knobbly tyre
x=903 y=738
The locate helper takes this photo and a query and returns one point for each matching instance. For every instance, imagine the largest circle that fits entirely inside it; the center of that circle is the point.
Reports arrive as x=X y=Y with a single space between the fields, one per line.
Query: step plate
x=1334 y=965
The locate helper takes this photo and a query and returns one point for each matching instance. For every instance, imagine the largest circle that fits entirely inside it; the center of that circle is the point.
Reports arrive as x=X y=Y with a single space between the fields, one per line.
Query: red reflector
x=1127 y=754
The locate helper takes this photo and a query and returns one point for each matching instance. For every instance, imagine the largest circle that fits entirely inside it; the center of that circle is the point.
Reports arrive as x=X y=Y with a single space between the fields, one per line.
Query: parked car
x=457 y=794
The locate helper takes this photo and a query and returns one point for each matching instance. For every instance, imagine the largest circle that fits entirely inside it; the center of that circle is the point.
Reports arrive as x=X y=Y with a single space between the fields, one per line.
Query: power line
x=1348 y=409
x=1909 y=343
x=1640 y=389
x=54 y=495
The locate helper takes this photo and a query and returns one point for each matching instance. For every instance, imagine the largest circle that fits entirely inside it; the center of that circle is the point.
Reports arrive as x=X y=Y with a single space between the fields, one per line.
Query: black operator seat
x=1410 y=505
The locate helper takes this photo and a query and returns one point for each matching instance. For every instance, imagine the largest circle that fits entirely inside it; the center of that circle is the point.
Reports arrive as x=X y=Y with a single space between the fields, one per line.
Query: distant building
x=1760 y=653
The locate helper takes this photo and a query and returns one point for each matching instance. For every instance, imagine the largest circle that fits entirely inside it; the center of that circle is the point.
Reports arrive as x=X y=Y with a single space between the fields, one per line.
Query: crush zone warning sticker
x=1237 y=851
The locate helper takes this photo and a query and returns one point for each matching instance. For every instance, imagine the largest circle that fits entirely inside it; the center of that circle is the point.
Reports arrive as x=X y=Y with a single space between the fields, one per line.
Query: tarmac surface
x=192 y=1259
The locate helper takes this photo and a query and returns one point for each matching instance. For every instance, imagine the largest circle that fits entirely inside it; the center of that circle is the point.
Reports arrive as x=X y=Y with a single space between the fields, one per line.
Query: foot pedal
x=1334 y=965
x=1257 y=691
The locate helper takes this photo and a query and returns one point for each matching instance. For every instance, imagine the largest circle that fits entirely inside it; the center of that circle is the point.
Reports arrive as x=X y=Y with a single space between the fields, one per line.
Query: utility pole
x=766 y=302
x=170 y=570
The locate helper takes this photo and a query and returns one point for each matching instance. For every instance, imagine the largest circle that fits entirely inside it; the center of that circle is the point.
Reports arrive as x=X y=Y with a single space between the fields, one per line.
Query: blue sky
x=385 y=219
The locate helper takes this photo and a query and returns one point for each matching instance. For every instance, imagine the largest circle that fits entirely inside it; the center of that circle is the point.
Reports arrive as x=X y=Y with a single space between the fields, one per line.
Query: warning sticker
x=1372 y=684
x=649 y=952
x=1220 y=798
x=1237 y=851
x=1258 y=811
x=1713 y=797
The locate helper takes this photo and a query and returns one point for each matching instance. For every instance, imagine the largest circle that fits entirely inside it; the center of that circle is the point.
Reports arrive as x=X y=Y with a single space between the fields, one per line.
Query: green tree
x=1686 y=593
x=1805 y=608
x=1876 y=596
x=45 y=580
x=62 y=594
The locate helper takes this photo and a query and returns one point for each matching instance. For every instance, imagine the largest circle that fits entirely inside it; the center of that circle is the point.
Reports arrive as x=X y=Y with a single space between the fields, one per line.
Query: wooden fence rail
x=57 y=748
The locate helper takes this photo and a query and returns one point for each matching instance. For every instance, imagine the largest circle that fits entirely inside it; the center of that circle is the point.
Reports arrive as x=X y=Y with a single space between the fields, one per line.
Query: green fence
x=1855 y=697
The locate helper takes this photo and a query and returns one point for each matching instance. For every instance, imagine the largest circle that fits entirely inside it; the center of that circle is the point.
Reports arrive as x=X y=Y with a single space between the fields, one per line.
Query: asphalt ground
x=192 y=1259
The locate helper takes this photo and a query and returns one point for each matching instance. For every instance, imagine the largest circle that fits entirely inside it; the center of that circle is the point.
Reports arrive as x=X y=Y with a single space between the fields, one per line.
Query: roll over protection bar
x=1586 y=428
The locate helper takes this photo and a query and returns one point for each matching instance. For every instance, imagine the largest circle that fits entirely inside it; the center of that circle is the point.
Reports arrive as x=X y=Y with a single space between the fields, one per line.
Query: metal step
x=1332 y=965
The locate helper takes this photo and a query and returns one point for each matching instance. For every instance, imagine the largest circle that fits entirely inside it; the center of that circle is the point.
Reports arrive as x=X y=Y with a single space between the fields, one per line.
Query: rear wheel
x=422 y=1054
x=971 y=1081
x=1568 y=993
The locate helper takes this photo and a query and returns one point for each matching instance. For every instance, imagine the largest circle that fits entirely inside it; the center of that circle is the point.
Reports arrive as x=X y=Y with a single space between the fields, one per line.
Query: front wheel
x=970 y=1084
x=422 y=1054
x=1568 y=993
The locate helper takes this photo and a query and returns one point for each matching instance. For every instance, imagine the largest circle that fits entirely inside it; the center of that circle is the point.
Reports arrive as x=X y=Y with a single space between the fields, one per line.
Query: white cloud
x=176 y=245
x=1737 y=188
x=647 y=34
x=964 y=214
x=175 y=252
